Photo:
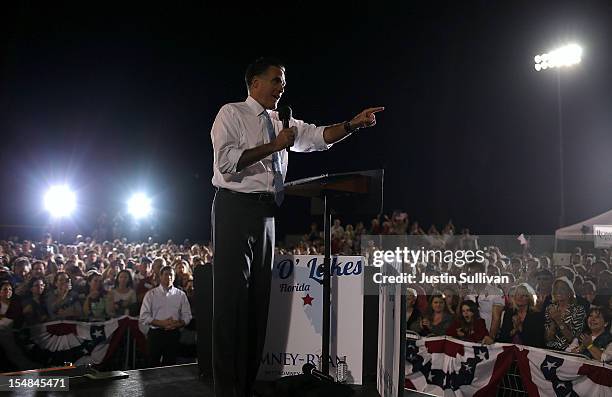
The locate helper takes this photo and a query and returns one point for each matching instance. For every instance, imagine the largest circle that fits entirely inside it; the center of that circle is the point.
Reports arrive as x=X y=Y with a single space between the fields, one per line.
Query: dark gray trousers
x=243 y=239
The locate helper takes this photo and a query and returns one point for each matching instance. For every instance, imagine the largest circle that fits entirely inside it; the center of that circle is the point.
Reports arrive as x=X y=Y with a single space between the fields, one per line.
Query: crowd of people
x=90 y=281
x=544 y=305
x=347 y=239
x=565 y=309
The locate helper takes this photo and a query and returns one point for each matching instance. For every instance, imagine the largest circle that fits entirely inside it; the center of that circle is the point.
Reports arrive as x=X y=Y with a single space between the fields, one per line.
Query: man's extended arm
x=337 y=132
x=286 y=138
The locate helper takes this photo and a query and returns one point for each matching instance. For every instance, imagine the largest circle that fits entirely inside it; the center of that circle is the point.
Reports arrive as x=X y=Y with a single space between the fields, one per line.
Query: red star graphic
x=308 y=300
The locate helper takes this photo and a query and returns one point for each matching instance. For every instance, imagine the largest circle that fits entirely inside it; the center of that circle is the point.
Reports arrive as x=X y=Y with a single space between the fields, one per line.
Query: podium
x=351 y=192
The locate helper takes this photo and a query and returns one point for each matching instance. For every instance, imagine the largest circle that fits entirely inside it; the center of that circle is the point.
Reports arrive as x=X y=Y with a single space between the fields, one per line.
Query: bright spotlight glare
x=139 y=206
x=60 y=201
x=568 y=55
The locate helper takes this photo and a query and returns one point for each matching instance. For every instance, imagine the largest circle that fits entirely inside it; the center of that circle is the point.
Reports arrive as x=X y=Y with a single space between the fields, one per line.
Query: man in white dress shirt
x=165 y=309
x=250 y=163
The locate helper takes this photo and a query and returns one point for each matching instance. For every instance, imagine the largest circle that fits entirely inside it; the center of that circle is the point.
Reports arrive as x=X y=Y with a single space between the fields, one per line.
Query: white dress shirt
x=240 y=126
x=160 y=304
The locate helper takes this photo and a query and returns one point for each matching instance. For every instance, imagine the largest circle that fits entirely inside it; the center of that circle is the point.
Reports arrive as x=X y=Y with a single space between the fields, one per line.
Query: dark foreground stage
x=177 y=380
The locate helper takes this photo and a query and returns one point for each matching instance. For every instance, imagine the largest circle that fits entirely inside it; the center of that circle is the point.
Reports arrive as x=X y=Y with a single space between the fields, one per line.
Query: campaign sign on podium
x=295 y=316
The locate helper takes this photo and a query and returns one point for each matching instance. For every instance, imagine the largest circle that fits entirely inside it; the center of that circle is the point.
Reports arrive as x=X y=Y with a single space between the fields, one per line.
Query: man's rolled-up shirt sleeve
x=309 y=137
x=226 y=140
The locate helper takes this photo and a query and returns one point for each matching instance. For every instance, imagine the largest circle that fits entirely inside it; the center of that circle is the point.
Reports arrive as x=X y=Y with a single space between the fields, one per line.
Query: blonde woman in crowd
x=183 y=272
x=521 y=324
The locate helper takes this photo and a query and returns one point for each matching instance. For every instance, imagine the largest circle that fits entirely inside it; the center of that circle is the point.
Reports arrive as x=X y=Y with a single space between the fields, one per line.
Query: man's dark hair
x=39 y=262
x=259 y=67
x=21 y=261
x=166 y=269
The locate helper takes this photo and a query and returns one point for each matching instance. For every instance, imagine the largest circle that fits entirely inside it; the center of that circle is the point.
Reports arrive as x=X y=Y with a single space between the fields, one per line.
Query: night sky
x=119 y=99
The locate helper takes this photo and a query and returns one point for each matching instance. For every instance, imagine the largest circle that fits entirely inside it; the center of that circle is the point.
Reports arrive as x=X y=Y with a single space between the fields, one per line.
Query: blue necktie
x=279 y=193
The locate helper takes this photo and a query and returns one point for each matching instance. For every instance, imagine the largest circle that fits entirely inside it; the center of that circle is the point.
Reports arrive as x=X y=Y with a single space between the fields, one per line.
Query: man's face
x=22 y=270
x=167 y=278
x=268 y=87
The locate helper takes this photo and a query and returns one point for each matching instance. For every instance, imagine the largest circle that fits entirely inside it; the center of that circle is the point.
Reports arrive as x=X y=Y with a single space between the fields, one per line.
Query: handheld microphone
x=309 y=369
x=285 y=113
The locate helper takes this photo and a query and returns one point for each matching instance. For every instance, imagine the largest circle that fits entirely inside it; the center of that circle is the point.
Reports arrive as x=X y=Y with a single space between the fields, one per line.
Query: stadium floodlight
x=567 y=55
x=139 y=206
x=60 y=201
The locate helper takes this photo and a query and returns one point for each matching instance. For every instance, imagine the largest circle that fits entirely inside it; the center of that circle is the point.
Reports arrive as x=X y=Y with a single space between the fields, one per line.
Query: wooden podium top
x=312 y=187
x=349 y=192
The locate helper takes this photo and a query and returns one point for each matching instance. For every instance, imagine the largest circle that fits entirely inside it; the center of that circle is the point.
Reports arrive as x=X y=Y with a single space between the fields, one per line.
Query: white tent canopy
x=583 y=231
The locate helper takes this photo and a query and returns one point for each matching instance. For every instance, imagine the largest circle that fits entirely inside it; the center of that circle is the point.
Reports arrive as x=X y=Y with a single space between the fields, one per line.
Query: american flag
x=79 y=342
x=546 y=373
x=449 y=367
